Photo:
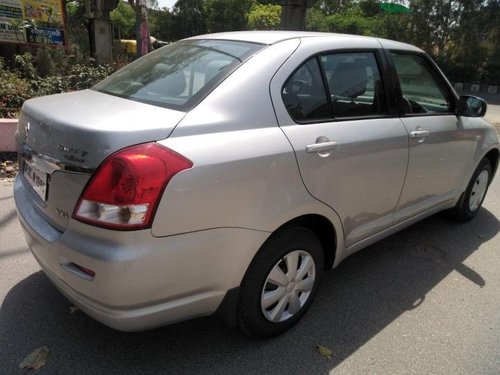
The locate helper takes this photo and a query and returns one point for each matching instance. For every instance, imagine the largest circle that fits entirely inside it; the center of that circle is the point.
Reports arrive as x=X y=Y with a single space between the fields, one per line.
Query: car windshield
x=179 y=75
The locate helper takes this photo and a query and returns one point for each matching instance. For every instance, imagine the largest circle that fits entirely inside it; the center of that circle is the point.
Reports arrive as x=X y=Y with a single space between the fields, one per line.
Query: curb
x=476 y=87
x=491 y=93
x=7 y=134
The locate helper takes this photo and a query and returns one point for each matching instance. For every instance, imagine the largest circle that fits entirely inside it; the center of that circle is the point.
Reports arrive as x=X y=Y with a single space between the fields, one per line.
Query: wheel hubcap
x=478 y=190
x=288 y=286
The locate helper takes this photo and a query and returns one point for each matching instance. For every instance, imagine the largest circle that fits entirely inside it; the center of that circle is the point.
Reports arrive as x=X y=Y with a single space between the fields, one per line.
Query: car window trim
x=325 y=84
x=390 y=85
x=344 y=119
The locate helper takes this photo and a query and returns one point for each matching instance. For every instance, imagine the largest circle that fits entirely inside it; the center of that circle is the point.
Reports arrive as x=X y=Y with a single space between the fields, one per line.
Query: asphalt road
x=424 y=301
x=493 y=113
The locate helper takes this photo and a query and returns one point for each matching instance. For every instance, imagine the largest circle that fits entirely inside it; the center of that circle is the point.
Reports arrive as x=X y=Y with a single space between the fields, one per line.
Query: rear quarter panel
x=244 y=179
x=244 y=170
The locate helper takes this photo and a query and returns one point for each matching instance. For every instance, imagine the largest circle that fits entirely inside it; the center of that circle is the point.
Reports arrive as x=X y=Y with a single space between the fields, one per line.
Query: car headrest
x=213 y=68
x=175 y=83
x=348 y=79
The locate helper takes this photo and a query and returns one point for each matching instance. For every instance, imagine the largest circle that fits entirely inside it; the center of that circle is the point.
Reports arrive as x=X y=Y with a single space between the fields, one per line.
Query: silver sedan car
x=223 y=174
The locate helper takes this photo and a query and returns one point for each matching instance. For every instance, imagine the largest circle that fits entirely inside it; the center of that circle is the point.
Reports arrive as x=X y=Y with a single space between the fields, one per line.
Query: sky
x=166 y=3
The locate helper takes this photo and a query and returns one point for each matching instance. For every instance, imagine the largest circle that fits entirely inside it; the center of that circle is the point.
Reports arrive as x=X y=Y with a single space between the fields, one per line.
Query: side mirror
x=471 y=106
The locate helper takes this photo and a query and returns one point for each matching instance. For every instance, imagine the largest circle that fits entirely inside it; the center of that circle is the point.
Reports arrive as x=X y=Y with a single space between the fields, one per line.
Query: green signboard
x=32 y=22
x=394 y=8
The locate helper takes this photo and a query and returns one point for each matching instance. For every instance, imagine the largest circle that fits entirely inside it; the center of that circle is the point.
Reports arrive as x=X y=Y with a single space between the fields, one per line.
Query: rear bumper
x=140 y=281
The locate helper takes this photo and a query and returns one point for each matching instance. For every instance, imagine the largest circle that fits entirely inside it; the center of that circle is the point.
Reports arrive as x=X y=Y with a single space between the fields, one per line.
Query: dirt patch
x=8 y=165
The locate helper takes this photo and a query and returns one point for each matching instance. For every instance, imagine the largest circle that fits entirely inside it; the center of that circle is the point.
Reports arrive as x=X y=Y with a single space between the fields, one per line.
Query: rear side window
x=354 y=84
x=339 y=85
x=304 y=94
x=422 y=89
x=178 y=76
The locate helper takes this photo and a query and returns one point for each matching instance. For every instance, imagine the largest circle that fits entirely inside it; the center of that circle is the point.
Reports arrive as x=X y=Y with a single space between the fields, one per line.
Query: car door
x=351 y=153
x=440 y=146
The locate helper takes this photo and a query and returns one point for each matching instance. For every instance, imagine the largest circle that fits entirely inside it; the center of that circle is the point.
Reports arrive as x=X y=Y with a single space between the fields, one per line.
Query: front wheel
x=471 y=200
x=281 y=282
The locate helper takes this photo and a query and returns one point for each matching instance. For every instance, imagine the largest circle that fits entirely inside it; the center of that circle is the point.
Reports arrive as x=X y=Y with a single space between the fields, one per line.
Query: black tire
x=462 y=211
x=290 y=243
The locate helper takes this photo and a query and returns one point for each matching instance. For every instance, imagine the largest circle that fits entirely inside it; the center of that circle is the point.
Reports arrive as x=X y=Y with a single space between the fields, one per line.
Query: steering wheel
x=411 y=106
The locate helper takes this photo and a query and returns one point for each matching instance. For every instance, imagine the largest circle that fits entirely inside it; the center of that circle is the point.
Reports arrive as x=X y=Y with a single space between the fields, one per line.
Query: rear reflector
x=125 y=190
x=80 y=271
x=85 y=270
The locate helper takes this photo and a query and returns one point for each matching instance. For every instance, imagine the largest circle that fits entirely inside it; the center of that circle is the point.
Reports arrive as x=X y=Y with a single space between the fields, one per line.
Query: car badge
x=72 y=154
x=26 y=130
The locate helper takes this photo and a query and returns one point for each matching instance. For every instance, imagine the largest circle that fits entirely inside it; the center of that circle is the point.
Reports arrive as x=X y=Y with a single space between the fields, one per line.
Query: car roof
x=263 y=37
x=272 y=37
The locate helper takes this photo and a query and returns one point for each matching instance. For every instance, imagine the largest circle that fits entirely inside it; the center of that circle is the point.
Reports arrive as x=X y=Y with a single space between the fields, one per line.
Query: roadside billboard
x=32 y=21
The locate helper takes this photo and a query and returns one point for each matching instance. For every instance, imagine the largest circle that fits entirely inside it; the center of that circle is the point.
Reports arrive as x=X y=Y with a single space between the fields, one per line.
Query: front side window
x=179 y=75
x=422 y=90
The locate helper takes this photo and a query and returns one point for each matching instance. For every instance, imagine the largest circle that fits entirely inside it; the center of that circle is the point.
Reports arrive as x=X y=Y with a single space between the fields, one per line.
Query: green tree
x=333 y=6
x=76 y=23
x=431 y=23
x=159 y=24
x=350 y=21
x=272 y=2
x=350 y=24
x=188 y=19
x=491 y=72
x=227 y=15
x=264 y=17
x=471 y=54
x=315 y=19
x=123 y=17
x=392 y=26
x=370 y=8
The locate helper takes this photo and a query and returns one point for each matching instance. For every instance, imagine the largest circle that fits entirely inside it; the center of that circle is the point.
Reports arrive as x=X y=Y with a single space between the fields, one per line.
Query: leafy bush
x=264 y=17
x=23 y=66
x=23 y=81
x=49 y=85
x=13 y=92
x=84 y=76
x=79 y=77
x=44 y=64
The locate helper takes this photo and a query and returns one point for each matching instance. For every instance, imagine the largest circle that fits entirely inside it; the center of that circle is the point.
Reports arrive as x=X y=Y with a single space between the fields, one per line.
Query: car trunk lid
x=63 y=138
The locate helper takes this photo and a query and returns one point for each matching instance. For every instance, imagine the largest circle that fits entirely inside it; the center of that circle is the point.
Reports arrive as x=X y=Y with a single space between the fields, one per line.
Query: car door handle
x=321 y=147
x=420 y=133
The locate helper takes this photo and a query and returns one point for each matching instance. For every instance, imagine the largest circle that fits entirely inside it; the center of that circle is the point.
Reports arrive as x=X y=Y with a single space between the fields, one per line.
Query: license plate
x=37 y=179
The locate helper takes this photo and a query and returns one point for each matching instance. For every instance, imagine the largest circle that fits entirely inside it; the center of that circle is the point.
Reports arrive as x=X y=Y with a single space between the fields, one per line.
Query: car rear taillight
x=125 y=190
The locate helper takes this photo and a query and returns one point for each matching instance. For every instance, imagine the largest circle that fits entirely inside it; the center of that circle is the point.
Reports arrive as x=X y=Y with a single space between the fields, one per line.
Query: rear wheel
x=281 y=282
x=472 y=199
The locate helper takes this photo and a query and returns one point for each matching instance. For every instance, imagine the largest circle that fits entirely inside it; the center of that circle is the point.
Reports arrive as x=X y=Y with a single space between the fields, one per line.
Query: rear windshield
x=179 y=75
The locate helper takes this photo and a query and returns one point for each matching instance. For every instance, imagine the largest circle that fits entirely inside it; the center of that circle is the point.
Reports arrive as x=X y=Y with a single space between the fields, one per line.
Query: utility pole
x=100 y=33
x=293 y=14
